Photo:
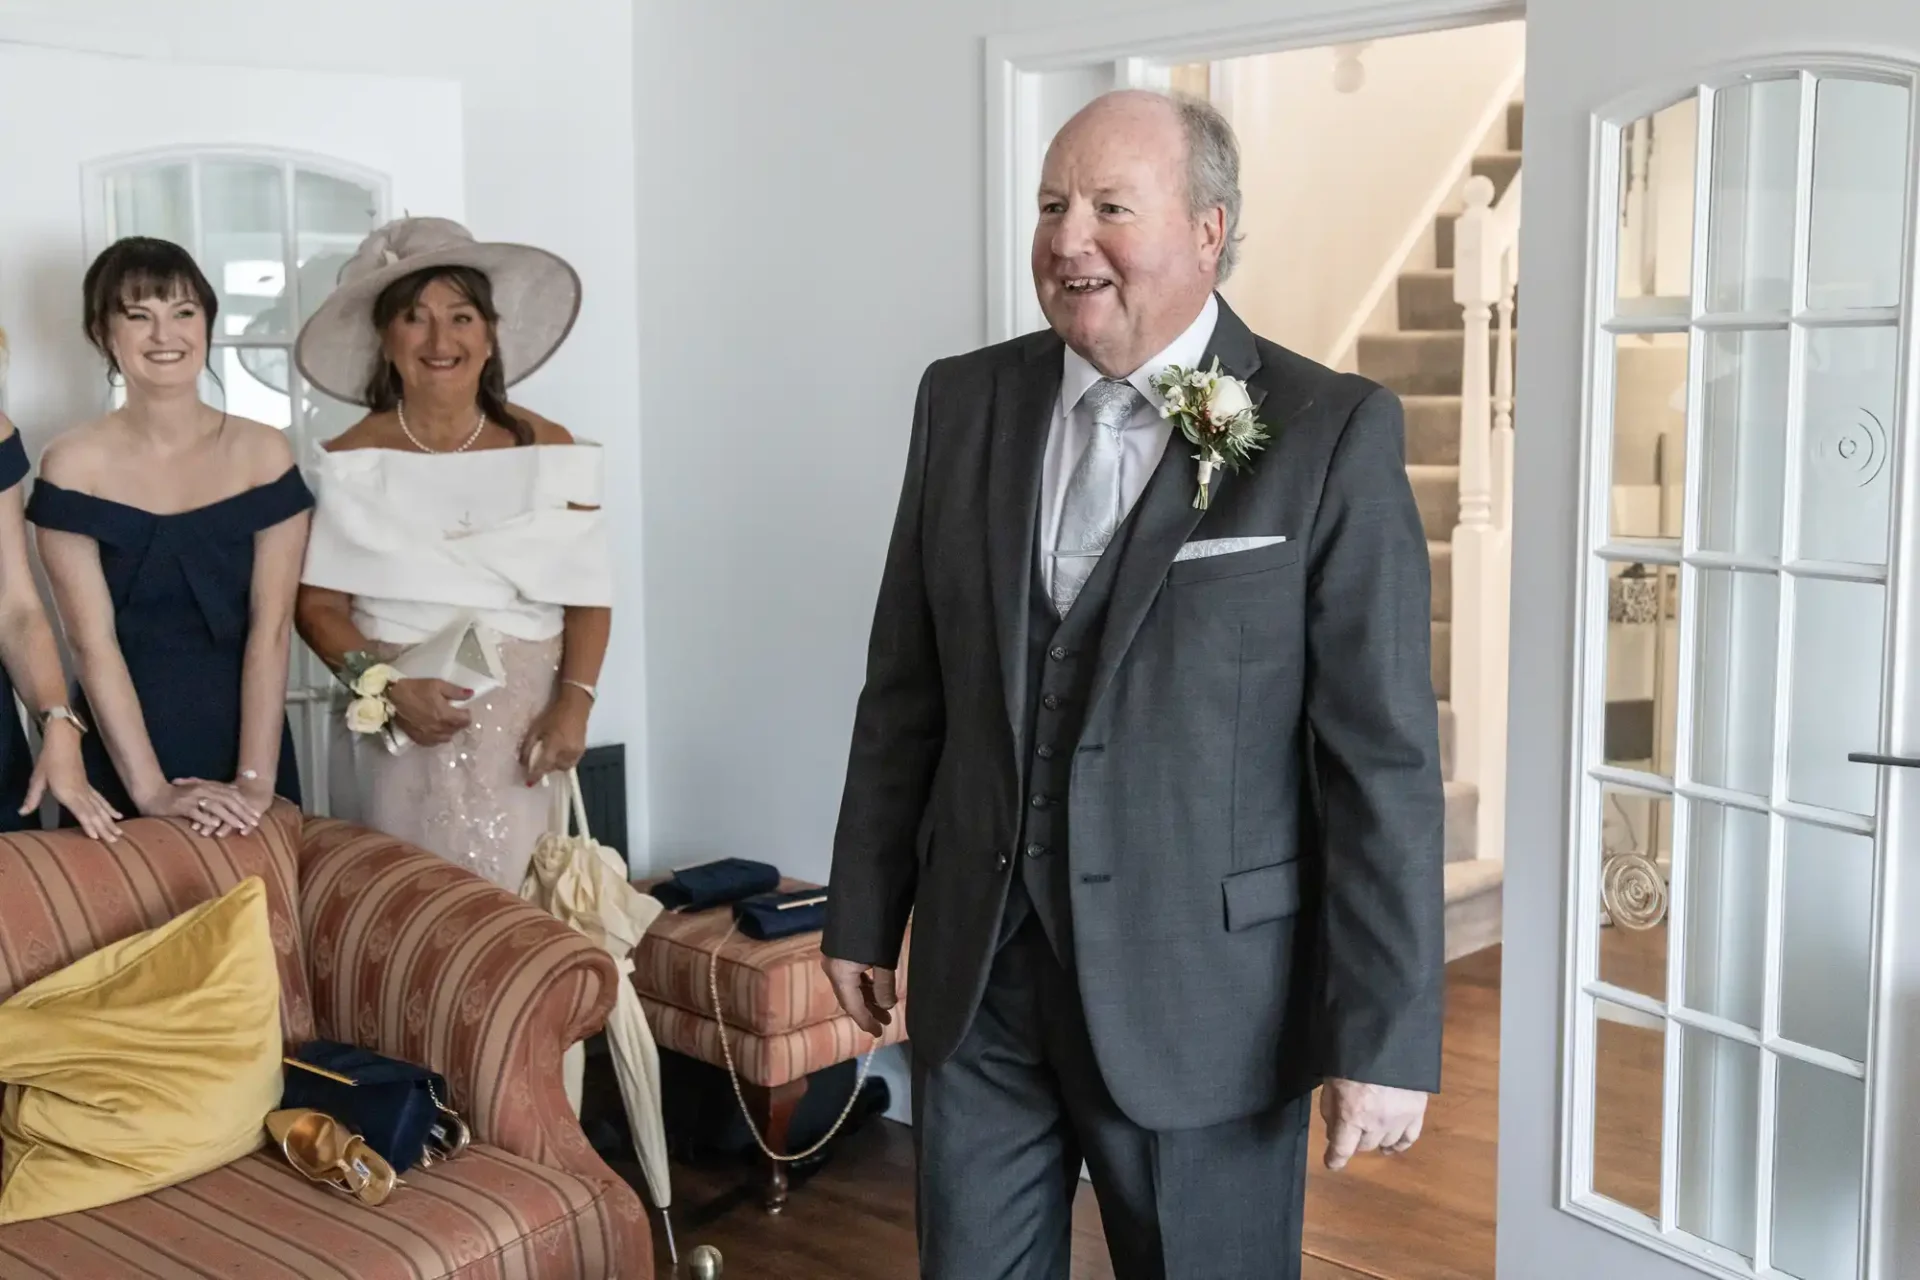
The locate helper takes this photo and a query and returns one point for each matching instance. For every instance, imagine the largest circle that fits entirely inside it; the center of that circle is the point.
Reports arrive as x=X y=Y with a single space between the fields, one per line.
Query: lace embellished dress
x=422 y=541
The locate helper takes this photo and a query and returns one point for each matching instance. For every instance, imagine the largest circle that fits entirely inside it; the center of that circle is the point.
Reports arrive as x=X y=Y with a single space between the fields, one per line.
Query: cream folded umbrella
x=584 y=883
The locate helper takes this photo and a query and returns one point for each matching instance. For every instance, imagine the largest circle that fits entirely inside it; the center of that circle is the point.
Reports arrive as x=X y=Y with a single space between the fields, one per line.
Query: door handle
x=1872 y=757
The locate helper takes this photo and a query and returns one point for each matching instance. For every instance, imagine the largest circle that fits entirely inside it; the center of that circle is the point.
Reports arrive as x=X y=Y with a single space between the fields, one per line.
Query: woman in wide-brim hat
x=450 y=514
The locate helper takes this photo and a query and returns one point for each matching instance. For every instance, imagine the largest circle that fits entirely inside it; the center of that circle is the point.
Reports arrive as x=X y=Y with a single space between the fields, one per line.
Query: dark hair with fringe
x=385 y=390
x=141 y=267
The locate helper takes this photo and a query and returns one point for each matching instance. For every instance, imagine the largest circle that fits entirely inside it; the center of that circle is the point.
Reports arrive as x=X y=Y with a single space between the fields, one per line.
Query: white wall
x=819 y=243
x=549 y=130
x=1335 y=183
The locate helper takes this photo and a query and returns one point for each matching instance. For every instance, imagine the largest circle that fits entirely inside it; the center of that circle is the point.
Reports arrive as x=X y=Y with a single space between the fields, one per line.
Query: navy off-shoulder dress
x=16 y=758
x=181 y=587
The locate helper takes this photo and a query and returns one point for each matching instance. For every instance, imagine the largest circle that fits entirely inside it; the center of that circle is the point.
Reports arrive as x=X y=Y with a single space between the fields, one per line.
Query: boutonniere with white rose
x=370 y=710
x=1214 y=411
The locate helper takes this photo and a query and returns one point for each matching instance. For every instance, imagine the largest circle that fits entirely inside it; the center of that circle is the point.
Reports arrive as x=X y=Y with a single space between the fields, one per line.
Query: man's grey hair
x=1213 y=170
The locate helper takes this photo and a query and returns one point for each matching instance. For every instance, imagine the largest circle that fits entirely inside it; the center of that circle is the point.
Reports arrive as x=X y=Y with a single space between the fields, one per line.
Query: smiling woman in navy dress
x=32 y=668
x=173 y=533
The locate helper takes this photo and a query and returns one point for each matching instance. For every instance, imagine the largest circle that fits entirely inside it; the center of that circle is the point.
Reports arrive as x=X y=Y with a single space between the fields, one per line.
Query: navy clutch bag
x=714 y=884
x=399 y=1108
x=781 y=915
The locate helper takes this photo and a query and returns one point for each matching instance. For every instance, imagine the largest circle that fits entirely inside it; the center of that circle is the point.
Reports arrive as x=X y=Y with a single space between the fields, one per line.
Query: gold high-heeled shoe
x=448 y=1137
x=380 y=1176
x=323 y=1150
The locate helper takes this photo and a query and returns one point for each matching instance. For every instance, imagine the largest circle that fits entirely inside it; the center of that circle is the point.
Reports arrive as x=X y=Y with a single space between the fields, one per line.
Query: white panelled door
x=1713 y=925
x=270 y=178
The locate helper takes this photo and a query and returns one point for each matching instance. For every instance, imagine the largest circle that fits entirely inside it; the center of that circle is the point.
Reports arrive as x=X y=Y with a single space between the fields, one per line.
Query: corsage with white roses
x=1214 y=411
x=371 y=710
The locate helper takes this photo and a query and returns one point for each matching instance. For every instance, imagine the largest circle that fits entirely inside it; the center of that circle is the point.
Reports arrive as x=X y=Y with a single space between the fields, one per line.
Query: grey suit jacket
x=1256 y=805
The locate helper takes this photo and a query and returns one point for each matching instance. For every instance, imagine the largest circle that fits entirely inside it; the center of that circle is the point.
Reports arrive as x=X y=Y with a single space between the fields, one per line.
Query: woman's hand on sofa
x=60 y=770
x=207 y=806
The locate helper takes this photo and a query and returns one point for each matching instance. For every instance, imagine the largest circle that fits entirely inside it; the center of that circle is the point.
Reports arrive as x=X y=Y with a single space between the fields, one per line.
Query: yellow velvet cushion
x=151 y=1061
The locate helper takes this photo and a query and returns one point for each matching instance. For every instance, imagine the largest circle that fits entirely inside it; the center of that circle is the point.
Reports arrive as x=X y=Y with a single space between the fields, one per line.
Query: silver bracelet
x=592 y=694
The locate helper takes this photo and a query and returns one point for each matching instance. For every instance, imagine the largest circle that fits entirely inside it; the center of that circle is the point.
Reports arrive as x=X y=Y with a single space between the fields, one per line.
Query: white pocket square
x=1223 y=546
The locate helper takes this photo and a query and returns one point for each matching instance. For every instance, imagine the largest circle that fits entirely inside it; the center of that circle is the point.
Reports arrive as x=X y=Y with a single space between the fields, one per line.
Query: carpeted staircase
x=1420 y=360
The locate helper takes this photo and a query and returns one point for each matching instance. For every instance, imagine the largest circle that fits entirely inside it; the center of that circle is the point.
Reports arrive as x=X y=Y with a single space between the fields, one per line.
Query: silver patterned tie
x=1093 y=507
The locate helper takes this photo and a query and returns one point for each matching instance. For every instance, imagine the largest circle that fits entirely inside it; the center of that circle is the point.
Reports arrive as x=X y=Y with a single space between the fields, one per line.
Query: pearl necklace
x=462 y=447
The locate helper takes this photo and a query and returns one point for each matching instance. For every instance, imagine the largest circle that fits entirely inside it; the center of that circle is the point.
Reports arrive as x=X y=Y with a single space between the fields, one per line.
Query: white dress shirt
x=1141 y=445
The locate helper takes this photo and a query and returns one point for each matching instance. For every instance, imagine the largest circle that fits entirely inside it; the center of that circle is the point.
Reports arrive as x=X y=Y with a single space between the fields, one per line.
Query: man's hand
x=1368 y=1117
x=864 y=991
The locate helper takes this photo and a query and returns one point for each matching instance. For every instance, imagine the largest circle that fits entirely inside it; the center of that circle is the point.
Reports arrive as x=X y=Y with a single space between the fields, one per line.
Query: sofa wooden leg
x=773 y=1111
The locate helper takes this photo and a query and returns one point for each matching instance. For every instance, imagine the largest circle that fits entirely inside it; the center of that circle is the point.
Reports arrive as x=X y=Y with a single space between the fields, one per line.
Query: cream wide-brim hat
x=536 y=293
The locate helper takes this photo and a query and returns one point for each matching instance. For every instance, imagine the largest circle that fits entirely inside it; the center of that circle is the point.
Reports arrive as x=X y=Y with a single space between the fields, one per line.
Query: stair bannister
x=1486 y=276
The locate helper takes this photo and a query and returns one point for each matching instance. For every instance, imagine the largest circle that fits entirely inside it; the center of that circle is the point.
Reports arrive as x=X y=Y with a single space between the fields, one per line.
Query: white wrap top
x=420 y=539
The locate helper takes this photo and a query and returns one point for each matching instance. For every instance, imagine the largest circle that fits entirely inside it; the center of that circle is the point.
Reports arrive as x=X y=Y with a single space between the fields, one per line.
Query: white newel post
x=1476 y=284
x=1485 y=284
x=1476 y=287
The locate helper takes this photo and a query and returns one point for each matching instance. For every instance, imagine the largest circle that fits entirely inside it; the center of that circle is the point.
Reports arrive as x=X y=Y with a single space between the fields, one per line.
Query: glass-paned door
x=271 y=232
x=1749 y=384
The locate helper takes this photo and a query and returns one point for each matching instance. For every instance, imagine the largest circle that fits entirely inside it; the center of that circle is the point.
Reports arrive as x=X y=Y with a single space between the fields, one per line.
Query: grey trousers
x=1002 y=1127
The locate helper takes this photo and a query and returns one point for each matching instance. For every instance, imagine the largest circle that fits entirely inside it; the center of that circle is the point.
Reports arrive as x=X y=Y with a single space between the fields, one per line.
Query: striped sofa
x=387 y=946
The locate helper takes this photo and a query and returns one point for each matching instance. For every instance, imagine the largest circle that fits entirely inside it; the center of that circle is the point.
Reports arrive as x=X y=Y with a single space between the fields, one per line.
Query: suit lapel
x=1022 y=414
x=1166 y=515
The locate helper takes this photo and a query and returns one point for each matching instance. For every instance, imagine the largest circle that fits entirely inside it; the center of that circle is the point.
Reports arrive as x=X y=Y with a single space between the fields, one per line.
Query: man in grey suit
x=1158 y=784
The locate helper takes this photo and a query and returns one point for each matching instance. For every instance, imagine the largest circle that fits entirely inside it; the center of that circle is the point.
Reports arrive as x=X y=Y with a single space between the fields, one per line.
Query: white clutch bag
x=464 y=653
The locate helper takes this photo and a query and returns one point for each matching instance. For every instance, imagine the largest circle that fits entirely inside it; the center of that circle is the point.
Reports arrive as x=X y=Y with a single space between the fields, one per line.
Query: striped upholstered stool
x=782 y=1022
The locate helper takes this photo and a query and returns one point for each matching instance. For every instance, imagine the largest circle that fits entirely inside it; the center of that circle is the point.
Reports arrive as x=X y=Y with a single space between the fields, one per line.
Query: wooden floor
x=854 y=1221
x=1427 y=1215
